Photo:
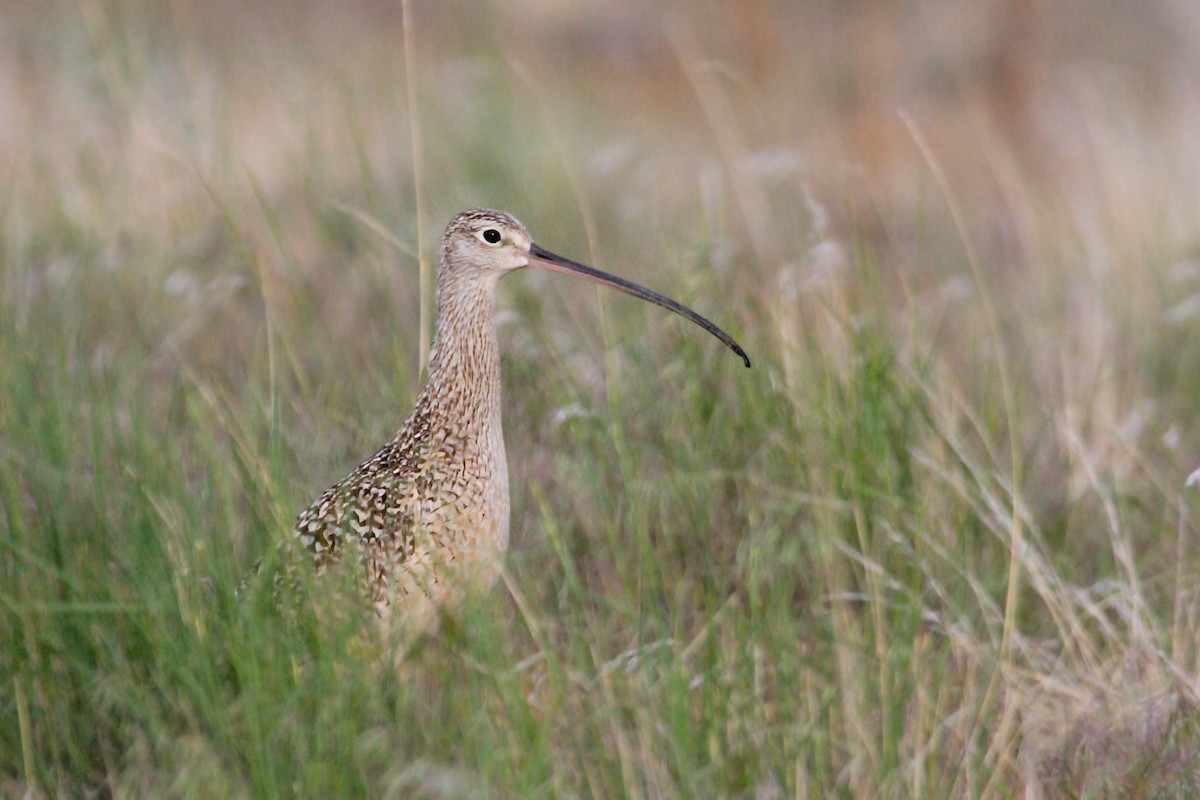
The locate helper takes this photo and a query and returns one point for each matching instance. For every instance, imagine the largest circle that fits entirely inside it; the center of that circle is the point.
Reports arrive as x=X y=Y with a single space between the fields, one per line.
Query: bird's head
x=482 y=245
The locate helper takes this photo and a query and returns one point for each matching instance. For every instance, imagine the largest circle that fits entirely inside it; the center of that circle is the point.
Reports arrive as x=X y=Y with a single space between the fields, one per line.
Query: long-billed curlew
x=435 y=497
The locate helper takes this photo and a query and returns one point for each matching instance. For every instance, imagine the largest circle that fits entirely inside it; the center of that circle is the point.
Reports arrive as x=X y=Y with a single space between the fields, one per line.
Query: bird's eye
x=491 y=236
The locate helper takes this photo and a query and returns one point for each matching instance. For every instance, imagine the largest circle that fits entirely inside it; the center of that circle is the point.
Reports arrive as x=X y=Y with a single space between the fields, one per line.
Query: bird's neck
x=464 y=362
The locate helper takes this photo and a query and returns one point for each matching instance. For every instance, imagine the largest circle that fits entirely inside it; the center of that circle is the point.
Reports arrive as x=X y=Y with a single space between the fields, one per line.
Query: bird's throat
x=464 y=362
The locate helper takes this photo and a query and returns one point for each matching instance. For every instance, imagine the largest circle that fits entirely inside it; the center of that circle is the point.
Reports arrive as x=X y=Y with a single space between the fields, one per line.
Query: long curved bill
x=540 y=257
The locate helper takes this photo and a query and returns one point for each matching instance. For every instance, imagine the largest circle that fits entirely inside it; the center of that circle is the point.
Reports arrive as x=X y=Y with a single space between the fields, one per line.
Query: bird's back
x=434 y=498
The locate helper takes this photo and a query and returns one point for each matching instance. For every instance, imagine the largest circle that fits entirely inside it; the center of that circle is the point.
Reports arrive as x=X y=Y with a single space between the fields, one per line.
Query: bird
x=428 y=514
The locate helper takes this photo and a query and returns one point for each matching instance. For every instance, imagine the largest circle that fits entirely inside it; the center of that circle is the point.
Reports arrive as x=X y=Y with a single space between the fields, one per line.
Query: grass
x=935 y=544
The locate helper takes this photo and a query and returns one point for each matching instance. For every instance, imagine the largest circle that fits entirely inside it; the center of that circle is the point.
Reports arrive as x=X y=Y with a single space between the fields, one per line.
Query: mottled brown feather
x=436 y=494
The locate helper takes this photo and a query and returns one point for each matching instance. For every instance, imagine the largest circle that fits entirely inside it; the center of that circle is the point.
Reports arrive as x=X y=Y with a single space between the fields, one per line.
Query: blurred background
x=775 y=127
x=960 y=241
x=821 y=87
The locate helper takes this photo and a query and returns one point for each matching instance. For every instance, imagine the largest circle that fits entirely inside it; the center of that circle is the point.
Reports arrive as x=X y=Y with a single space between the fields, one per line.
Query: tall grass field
x=938 y=543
